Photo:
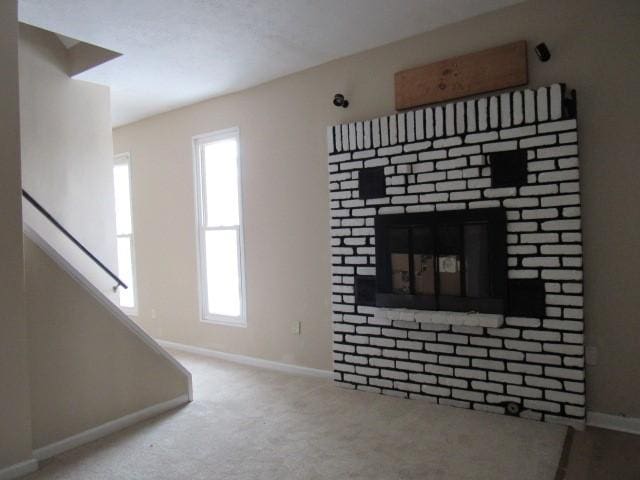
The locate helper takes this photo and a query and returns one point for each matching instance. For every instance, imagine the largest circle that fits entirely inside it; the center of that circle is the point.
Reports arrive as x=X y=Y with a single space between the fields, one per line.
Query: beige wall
x=594 y=46
x=67 y=153
x=15 y=430
x=86 y=366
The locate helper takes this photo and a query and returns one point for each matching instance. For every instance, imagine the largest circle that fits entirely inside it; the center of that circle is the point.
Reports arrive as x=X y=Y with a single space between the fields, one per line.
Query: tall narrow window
x=220 y=227
x=124 y=230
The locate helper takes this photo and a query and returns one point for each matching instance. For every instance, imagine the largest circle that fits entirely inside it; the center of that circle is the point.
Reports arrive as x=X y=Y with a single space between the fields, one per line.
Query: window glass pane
x=221 y=183
x=223 y=277
x=125 y=271
x=123 y=202
x=476 y=260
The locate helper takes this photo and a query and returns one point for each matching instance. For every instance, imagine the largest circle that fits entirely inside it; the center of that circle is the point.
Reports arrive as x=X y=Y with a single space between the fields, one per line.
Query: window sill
x=468 y=319
x=224 y=321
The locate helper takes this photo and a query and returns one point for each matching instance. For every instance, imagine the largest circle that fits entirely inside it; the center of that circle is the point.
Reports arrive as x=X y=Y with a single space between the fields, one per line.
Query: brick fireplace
x=515 y=348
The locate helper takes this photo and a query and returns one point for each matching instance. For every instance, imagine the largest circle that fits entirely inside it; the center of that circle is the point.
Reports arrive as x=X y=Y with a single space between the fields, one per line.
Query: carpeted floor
x=248 y=423
x=598 y=454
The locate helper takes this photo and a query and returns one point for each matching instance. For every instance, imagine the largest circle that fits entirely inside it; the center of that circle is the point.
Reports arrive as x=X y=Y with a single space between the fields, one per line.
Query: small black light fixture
x=340 y=101
x=543 y=52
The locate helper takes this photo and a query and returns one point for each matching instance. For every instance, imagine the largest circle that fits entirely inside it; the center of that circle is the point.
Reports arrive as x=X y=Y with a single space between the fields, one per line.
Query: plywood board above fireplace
x=479 y=72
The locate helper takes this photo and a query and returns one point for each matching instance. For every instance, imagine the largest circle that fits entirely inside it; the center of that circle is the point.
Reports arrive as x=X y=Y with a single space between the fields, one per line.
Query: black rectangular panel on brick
x=365 y=287
x=526 y=297
x=508 y=169
x=371 y=183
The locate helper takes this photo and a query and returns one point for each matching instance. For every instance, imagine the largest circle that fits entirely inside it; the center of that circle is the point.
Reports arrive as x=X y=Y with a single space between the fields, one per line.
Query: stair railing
x=48 y=216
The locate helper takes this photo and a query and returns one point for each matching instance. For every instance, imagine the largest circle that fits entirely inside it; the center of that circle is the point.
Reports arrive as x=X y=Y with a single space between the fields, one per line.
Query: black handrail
x=49 y=217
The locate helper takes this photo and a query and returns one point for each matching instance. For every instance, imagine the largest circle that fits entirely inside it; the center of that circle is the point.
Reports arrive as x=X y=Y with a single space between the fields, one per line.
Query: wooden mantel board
x=479 y=72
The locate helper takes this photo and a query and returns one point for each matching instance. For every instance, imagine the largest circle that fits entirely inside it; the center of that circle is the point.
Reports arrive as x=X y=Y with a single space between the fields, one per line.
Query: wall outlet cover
x=295 y=328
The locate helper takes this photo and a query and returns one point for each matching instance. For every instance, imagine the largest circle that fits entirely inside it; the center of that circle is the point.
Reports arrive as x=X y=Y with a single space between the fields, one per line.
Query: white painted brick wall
x=436 y=159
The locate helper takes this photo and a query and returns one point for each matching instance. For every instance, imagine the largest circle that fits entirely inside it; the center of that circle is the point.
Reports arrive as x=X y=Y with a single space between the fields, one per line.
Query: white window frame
x=199 y=141
x=125 y=159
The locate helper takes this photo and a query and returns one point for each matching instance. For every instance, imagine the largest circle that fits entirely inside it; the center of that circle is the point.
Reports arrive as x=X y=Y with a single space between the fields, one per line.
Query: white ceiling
x=177 y=52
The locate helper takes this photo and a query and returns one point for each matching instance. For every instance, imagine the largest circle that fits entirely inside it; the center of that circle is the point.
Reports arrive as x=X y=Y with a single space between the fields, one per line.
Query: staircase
x=93 y=370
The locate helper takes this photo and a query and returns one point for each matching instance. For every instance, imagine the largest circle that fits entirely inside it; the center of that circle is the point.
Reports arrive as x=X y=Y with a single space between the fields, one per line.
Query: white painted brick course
x=367 y=371
x=521 y=391
x=487 y=386
x=414 y=147
x=556 y=101
x=438 y=121
x=564 y=397
x=423 y=357
x=453 y=382
x=393 y=130
x=438 y=391
x=499 y=146
x=529 y=106
x=542 y=382
x=543 y=109
x=557 y=126
x=410 y=130
x=544 y=358
x=409 y=387
x=460 y=114
x=451 y=360
x=518 y=132
x=571 y=162
x=419 y=125
x=429 y=125
x=569 y=137
x=394 y=374
x=450 y=119
x=558 y=176
x=518 y=108
x=454 y=185
x=524 y=368
x=542 y=405
x=540 y=213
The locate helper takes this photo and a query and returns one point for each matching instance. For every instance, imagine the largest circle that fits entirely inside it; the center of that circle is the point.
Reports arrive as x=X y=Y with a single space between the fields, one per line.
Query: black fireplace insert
x=452 y=260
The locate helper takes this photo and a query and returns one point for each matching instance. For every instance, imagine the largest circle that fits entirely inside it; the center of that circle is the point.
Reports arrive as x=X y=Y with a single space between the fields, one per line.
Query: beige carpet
x=598 y=454
x=248 y=423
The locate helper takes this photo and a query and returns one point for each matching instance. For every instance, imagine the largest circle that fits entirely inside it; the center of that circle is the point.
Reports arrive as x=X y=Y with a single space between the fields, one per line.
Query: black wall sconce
x=543 y=52
x=340 y=101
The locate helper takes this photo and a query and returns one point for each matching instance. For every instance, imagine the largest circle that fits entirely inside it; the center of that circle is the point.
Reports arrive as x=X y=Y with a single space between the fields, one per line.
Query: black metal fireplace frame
x=494 y=218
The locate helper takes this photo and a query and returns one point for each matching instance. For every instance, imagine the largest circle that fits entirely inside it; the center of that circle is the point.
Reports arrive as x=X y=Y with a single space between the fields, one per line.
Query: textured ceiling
x=177 y=52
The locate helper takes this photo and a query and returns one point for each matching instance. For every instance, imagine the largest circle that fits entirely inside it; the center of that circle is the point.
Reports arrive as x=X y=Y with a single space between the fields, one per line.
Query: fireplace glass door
x=443 y=261
x=424 y=268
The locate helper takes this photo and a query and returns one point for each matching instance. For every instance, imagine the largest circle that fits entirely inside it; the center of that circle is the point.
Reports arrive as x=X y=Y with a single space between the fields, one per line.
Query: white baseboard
x=107 y=428
x=19 y=469
x=253 y=361
x=614 y=422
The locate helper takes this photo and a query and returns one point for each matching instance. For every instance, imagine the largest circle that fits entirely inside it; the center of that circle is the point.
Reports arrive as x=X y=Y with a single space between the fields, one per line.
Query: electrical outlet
x=591 y=355
x=295 y=328
x=153 y=313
